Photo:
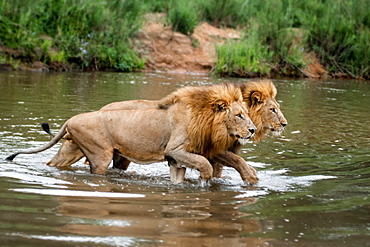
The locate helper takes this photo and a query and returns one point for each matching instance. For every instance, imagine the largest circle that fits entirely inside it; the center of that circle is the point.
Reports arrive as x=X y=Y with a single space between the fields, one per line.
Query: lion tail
x=51 y=143
x=45 y=126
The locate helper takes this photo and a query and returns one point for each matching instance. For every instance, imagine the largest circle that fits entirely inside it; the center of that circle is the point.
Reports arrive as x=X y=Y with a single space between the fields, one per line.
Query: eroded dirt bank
x=168 y=51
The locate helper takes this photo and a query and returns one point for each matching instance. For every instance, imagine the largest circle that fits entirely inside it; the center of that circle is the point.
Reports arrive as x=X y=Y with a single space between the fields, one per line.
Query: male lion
x=264 y=112
x=202 y=123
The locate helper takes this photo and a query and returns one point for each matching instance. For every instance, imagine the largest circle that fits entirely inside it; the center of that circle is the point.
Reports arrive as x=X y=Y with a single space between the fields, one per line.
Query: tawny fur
x=191 y=129
x=260 y=99
x=202 y=103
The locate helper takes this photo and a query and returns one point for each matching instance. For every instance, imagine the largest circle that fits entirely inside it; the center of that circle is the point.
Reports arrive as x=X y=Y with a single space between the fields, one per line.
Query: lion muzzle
x=244 y=139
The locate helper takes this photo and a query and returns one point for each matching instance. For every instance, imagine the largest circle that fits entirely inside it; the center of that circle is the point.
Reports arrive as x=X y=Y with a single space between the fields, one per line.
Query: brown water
x=314 y=180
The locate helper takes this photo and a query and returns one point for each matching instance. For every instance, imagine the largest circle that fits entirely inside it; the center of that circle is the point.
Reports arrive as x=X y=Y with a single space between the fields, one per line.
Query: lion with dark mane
x=190 y=129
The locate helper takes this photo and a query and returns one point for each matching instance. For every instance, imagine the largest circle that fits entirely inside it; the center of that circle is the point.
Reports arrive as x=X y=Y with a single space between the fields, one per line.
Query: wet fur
x=93 y=133
x=212 y=137
x=260 y=99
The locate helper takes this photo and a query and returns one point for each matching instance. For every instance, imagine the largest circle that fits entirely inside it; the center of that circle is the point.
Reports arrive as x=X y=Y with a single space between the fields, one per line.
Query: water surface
x=314 y=179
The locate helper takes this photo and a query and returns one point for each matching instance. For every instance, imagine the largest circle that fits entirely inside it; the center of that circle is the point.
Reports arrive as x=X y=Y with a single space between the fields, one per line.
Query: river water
x=314 y=179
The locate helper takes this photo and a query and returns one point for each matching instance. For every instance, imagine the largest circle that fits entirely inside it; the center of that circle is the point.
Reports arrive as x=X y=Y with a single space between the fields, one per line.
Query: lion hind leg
x=99 y=164
x=68 y=154
x=99 y=160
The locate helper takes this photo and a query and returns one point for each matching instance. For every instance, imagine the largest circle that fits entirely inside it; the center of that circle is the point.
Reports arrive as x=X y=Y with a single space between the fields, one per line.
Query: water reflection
x=177 y=218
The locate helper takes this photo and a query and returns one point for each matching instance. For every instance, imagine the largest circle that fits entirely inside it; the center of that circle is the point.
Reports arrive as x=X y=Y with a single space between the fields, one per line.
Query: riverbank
x=232 y=38
x=173 y=52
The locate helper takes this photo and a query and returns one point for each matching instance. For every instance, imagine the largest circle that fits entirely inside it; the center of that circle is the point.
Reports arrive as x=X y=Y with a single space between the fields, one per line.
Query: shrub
x=182 y=17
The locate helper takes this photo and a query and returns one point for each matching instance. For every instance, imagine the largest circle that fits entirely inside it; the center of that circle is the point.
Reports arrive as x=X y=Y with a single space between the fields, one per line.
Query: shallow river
x=314 y=180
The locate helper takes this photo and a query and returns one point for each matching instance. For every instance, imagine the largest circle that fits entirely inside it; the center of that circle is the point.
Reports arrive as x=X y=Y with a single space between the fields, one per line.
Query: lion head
x=264 y=110
x=218 y=117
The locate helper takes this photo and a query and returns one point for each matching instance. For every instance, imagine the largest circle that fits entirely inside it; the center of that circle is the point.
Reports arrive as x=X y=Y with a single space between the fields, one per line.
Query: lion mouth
x=276 y=132
x=244 y=140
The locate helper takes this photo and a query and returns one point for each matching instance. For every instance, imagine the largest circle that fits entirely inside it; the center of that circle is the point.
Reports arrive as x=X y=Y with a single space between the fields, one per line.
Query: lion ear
x=220 y=106
x=256 y=97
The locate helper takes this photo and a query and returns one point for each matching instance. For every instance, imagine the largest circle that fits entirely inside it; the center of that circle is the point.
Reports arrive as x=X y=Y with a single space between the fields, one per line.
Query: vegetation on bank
x=279 y=37
x=88 y=33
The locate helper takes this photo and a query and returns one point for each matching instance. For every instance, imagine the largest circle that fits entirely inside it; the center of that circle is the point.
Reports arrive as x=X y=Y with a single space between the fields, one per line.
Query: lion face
x=263 y=108
x=272 y=118
x=238 y=123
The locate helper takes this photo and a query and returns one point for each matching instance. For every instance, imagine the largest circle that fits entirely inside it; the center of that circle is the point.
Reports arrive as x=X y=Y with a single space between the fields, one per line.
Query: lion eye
x=273 y=110
x=241 y=116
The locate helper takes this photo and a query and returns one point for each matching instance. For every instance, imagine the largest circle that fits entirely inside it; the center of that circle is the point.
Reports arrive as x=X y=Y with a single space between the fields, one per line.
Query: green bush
x=97 y=32
x=183 y=17
x=75 y=29
x=246 y=57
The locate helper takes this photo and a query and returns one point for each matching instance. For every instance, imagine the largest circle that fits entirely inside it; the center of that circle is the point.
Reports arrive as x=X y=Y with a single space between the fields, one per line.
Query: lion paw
x=203 y=183
x=252 y=176
x=251 y=180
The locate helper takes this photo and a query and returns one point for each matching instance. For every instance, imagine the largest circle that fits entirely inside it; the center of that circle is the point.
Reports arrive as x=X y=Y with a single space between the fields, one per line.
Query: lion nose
x=283 y=124
x=251 y=130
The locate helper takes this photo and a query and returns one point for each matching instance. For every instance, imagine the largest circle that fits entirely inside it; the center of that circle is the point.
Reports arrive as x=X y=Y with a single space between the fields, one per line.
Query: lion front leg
x=191 y=160
x=177 y=175
x=120 y=162
x=217 y=170
x=247 y=173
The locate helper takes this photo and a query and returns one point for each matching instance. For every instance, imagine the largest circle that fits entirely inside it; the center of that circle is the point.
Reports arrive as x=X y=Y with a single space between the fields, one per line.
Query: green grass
x=337 y=31
x=247 y=57
x=276 y=33
x=83 y=31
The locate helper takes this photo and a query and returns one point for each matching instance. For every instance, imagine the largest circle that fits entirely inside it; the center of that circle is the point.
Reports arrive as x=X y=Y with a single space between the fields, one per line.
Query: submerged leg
x=177 y=173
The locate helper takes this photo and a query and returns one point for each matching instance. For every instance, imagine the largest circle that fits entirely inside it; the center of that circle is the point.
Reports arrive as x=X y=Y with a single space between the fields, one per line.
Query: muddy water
x=314 y=180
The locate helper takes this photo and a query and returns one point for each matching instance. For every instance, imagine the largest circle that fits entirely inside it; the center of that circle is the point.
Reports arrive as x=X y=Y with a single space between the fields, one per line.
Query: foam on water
x=156 y=174
x=111 y=240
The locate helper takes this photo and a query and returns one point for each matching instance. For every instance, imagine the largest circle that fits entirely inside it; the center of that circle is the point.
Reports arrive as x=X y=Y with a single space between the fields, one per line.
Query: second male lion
x=204 y=122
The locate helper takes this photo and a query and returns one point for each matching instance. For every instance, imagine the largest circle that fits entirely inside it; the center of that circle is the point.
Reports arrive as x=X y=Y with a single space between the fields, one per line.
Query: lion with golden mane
x=264 y=111
x=188 y=128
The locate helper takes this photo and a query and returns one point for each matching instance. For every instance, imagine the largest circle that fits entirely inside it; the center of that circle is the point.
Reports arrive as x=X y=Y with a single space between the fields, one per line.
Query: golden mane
x=208 y=108
x=256 y=94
